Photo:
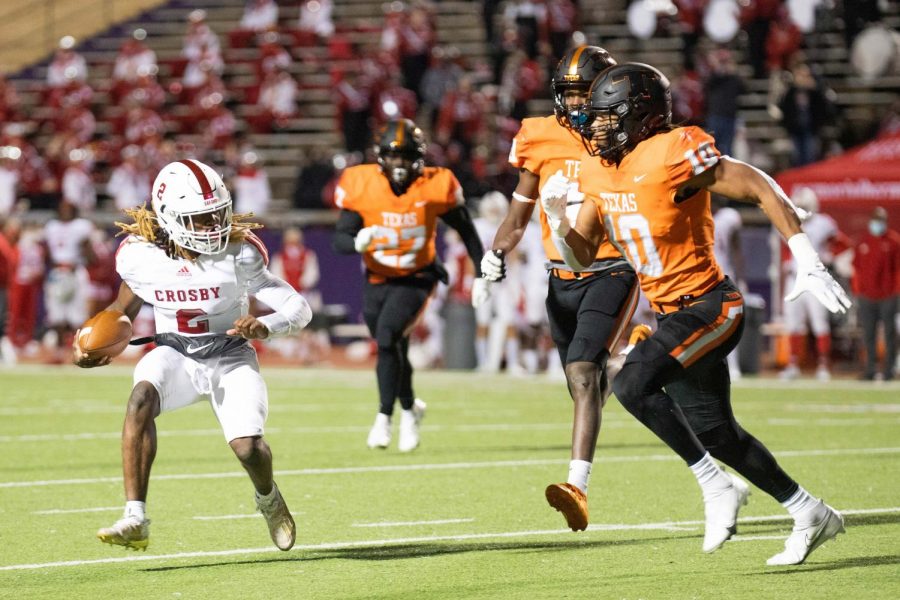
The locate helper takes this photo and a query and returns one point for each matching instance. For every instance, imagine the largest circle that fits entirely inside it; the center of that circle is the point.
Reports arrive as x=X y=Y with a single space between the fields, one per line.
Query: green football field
x=464 y=516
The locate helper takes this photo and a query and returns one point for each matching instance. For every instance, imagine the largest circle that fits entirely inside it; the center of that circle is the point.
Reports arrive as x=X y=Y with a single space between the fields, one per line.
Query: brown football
x=105 y=334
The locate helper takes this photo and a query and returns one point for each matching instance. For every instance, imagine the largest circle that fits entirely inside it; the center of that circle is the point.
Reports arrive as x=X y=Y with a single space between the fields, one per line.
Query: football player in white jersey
x=196 y=264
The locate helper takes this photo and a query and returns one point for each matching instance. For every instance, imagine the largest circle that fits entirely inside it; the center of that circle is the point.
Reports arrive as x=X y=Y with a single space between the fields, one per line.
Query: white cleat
x=803 y=540
x=281 y=524
x=409 y=426
x=131 y=532
x=789 y=373
x=721 y=514
x=823 y=374
x=380 y=434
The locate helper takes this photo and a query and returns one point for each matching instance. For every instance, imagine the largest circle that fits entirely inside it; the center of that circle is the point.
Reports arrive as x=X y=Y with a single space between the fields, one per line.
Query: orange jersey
x=543 y=147
x=406 y=224
x=669 y=245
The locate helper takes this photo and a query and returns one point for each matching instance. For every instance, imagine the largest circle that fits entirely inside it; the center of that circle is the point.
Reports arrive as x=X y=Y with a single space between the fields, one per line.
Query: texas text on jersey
x=637 y=204
x=543 y=147
x=404 y=242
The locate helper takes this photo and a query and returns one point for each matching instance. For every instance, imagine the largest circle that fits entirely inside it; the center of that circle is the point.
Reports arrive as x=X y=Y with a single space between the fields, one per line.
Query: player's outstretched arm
x=292 y=311
x=740 y=181
x=127 y=302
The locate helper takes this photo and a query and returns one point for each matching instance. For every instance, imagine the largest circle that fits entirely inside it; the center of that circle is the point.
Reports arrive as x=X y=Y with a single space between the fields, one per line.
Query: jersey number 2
x=191 y=320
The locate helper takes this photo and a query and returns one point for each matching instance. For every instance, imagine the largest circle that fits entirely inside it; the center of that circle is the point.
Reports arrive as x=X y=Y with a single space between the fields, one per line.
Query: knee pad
x=726 y=442
x=387 y=340
x=630 y=385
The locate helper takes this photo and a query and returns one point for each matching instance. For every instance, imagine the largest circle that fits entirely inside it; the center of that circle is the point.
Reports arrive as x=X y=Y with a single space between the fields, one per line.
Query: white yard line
x=412 y=523
x=430 y=467
x=70 y=511
x=664 y=526
x=227 y=517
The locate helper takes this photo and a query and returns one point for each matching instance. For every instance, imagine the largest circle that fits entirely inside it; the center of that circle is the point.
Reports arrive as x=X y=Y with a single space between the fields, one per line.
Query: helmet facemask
x=204 y=232
x=401 y=167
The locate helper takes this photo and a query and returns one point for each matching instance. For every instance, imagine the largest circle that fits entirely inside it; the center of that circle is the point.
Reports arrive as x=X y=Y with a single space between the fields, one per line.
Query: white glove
x=364 y=238
x=554 y=197
x=481 y=291
x=493 y=265
x=813 y=277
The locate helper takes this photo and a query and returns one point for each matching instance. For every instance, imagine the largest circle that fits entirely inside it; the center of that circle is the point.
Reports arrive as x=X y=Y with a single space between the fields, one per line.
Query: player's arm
x=511 y=230
x=127 y=302
x=738 y=180
x=460 y=220
x=578 y=245
x=350 y=237
x=292 y=311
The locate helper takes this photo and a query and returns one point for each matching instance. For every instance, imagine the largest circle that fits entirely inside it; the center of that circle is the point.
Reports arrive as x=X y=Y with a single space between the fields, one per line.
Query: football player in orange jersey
x=389 y=215
x=589 y=308
x=647 y=186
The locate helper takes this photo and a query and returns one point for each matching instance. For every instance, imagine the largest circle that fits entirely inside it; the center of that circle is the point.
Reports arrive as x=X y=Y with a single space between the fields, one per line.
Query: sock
x=823 y=347
x=530 y=358
x=267 y=498
x=802 y=506
x=579 y=473
x=710 y=476
x=797 y=342
x=135 y=508
x=512 y=354
x=480 y=349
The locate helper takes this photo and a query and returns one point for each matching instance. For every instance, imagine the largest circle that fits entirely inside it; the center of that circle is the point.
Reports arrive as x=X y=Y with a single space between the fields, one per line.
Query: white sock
x=512 y=353
x=802 y=506
x=530 y=359
x=579 y=473
x=135 y=508
x=267 y=498
x=480 y=349
x=710 y=476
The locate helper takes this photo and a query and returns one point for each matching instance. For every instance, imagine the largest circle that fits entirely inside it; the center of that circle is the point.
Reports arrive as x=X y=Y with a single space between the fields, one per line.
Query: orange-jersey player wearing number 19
x=647 y=187
x=587 y=309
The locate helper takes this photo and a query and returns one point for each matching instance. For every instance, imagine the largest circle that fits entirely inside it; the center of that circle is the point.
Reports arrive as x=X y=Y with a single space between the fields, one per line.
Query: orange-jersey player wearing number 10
x=389 y=215
x=588 y=309
x=647 y=188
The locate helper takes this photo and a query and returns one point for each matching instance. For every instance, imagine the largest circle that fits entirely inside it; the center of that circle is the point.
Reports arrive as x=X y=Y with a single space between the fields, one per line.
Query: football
x=105 y=334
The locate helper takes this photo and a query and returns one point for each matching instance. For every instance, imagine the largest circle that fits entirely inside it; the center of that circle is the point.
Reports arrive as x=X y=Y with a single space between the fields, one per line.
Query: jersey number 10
x=645 y=259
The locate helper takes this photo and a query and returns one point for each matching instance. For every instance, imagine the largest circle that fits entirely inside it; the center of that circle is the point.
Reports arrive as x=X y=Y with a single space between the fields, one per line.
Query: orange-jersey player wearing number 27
x=389 y=215
x=647 y=188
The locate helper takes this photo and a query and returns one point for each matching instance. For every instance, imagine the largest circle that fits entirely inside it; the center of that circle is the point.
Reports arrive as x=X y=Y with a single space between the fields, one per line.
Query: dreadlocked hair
x=145 y=225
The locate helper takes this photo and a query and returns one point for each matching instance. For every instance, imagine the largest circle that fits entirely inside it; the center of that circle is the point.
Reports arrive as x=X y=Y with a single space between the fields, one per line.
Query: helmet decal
x=205 y=188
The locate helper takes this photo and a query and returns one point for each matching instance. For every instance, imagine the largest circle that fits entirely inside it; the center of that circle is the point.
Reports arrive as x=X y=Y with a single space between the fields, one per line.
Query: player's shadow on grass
x=531 y=448
x=425 y=550
x=834 y=565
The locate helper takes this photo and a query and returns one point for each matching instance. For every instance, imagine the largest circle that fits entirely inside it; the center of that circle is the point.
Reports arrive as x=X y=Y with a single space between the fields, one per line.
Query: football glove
x=813 y=277
x=493 y=266
x=554 y=197
x=481 y=291
x=364 y=238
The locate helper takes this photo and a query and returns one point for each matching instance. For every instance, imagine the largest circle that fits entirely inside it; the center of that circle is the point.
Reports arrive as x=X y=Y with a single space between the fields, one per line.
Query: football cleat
x=721 y=513
x=131 y=532
x=571 y=502
x=789 y=372
x=409 y=427
x=803 y=540
x=380 y=434
x=279 y=519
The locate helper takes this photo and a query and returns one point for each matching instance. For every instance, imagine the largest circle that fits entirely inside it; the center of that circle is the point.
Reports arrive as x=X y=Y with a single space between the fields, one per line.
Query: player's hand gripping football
x=364 y=238
x=554 y=197
x=493 y=265
x=813 y=277
x=250 y=328
x=84 y=360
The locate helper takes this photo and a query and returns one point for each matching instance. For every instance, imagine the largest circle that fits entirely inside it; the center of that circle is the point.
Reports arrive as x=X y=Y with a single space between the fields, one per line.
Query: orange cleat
x=571 y=502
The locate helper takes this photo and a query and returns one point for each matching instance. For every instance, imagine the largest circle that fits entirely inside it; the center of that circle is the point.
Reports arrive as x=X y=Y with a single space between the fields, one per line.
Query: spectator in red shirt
x=783 y=42
x=876 y=283
x=461 y=116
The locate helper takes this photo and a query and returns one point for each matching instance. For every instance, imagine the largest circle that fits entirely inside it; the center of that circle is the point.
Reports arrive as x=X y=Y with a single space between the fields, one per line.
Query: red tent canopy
x=849 y=186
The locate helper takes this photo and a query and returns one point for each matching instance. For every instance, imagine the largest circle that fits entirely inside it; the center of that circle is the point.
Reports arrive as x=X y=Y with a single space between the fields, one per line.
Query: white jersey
x=727 y=222
x=64 y=240
x=205 y=296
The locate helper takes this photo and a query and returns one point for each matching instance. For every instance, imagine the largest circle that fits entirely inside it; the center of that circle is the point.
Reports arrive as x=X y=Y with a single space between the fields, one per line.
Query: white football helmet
x=193 y=206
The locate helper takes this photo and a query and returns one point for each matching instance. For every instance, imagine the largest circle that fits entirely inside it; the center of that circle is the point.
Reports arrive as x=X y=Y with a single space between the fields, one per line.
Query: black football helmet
x=637 y=102
x=577 y=69
x=400 y=151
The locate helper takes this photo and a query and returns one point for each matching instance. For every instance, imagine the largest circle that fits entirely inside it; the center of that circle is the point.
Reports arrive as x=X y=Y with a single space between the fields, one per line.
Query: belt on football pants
x=569 y=275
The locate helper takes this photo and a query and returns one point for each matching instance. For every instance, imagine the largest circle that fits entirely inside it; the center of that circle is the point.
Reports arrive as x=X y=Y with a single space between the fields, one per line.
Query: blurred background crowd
x=283 y=95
